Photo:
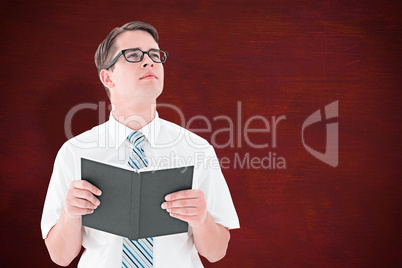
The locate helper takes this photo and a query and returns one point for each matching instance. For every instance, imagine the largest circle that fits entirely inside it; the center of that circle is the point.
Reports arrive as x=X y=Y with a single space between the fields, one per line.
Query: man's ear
x=105 y=78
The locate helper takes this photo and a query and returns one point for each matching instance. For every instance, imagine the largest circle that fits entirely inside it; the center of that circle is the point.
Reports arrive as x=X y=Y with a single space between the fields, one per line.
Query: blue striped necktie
x=137 y=253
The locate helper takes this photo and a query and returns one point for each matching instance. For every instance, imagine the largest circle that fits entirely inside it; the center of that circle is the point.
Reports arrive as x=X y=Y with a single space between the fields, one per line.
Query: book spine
x=135 y=205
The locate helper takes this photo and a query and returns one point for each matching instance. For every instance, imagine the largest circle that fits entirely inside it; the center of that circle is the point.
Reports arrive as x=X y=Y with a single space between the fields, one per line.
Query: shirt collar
x=119 y=132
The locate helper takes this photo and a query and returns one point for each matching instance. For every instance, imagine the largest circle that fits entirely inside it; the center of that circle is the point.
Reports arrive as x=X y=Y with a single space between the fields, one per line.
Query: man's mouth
x=148 y=75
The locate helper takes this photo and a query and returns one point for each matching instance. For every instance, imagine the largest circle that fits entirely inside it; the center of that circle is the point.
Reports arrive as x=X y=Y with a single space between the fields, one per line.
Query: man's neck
x=134 y=116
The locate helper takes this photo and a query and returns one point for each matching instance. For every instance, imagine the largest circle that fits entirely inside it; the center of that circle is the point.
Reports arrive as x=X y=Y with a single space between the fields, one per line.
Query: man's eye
x=155 y=55
x=133 y=55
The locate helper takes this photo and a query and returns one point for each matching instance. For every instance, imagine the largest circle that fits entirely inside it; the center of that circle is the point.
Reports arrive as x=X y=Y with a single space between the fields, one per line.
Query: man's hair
x=107 y=48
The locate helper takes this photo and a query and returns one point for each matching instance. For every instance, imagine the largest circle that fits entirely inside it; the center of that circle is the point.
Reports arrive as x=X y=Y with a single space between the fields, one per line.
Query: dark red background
x=276 y=57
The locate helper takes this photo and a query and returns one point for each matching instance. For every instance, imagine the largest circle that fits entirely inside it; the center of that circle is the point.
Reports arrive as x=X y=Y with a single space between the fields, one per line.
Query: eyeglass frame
x=123 y=52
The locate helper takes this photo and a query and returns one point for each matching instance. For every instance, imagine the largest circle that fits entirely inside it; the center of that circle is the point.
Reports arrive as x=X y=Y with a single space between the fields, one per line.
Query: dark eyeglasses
x=136 y=55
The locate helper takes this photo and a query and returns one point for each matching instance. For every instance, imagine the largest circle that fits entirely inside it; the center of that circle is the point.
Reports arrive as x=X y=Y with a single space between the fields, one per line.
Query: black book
x=131 y=202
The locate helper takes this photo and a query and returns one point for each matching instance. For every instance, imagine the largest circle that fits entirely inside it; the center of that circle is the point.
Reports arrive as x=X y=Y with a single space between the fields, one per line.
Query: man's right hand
x=80 y=199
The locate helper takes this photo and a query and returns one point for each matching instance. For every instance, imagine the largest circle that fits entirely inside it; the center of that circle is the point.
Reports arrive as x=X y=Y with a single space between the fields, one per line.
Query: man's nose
x=147 y=61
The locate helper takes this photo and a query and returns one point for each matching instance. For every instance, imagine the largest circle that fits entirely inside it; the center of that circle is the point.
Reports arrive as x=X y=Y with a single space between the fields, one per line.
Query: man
x=130 y=66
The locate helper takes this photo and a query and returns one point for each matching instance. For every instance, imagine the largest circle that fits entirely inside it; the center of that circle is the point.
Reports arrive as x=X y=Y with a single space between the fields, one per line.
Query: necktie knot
x=137 y=139
x=137 y=159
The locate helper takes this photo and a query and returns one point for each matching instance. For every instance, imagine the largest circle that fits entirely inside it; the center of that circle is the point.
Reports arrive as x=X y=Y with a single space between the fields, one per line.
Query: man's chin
x=151 y=92
x=144 y=95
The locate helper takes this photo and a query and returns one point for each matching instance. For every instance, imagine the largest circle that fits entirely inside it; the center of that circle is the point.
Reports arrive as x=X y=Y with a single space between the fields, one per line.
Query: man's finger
x=85 y=194
x=85 y=185
x=82 y=203
x=183 y=211
x=185 y=194
x=180 y=203
x=182 y=217
x=81 y=211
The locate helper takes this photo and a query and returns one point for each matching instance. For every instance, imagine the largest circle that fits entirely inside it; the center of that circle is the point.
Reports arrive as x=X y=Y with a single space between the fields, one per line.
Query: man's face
x=140 y=82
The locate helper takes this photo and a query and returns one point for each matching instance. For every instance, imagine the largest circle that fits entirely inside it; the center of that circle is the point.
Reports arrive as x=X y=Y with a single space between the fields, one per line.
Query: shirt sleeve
x=62 y=175
x=218 y=198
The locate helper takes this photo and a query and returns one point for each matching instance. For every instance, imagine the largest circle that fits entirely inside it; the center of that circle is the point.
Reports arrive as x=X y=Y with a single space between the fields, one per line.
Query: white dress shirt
x=168 y=146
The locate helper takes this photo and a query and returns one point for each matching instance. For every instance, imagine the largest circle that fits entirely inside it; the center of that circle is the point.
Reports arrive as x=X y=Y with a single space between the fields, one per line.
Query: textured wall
x=272 y=58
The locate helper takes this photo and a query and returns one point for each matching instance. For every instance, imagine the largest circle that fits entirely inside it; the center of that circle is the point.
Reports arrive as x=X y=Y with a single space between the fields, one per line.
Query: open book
x=131 y=202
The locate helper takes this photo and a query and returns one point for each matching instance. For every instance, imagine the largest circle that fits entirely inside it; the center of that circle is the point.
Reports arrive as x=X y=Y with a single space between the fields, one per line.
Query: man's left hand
x=187 y=205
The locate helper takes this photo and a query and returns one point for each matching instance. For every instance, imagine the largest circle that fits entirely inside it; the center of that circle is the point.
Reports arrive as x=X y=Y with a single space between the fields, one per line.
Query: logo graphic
x=330 y=156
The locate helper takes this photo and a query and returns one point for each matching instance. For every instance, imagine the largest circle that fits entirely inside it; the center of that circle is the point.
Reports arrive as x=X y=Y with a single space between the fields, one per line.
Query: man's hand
x=187 y=205
x=80 y=199
x=65 y=238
